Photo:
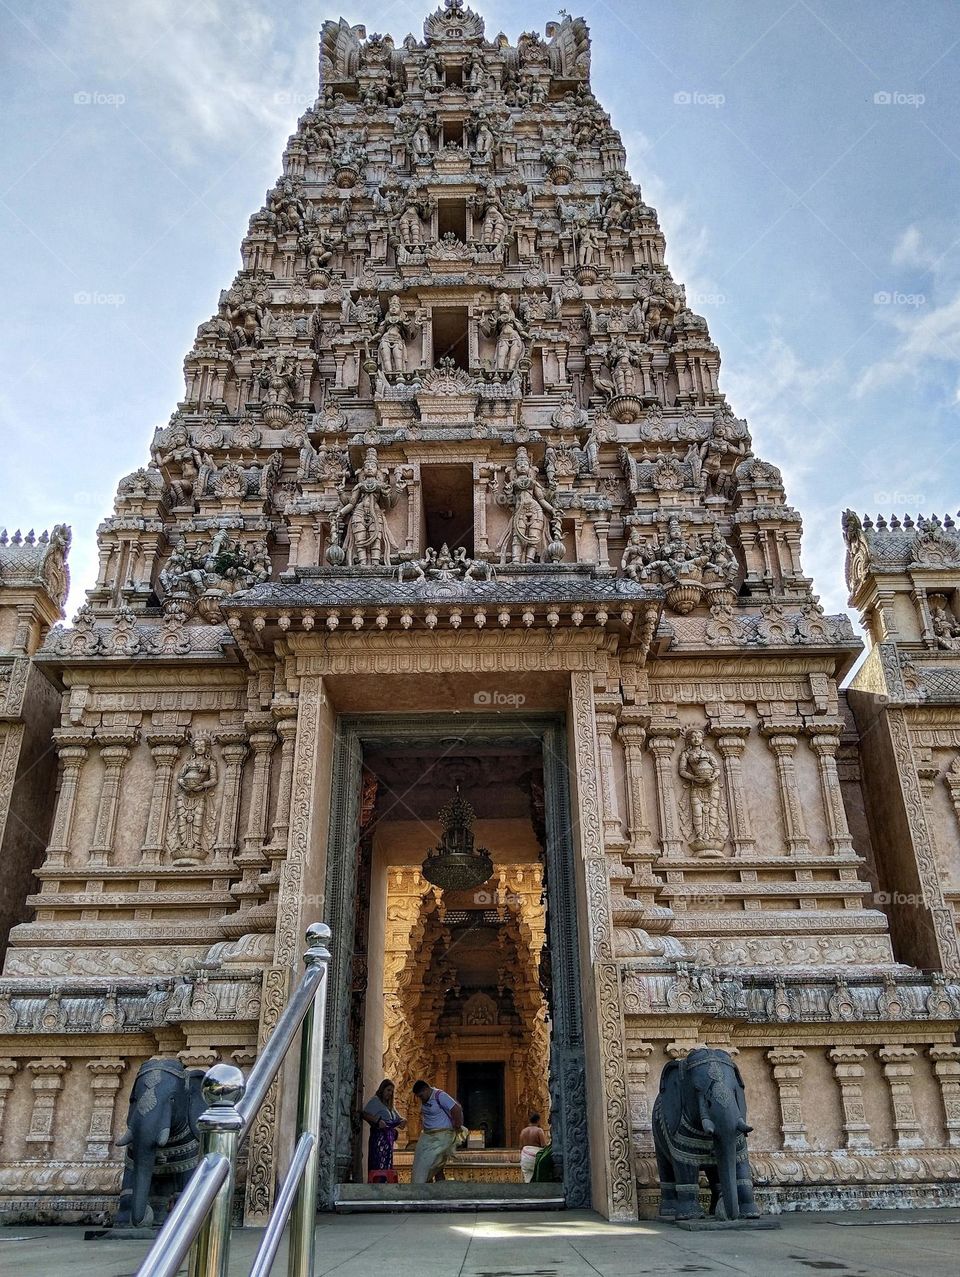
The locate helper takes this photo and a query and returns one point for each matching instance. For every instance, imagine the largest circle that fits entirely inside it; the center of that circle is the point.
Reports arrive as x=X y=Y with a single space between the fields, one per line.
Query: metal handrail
x=183 y=1222
x=282 y=1207
x=202 y=1219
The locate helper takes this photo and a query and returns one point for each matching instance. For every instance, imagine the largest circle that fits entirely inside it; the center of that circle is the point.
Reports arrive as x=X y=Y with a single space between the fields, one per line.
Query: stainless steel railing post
x=303 y=1220
x=220 y=1127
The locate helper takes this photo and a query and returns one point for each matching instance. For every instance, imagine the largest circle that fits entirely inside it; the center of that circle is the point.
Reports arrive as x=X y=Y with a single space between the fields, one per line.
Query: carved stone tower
x=453 y=448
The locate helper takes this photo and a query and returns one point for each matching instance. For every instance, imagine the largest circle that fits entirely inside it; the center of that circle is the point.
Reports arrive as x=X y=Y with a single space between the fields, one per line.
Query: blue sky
x=804 y=157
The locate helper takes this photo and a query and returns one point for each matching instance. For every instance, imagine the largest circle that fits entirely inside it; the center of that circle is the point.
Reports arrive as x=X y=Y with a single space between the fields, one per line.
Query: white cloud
x=925 y=334
x=208 y=71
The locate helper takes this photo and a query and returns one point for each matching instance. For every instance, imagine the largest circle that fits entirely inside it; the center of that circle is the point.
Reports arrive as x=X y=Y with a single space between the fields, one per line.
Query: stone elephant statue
x=161 y=1137
x=700 y=1123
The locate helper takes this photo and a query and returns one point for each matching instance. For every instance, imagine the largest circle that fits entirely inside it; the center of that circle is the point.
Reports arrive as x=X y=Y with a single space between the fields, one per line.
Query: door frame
x=568 y=1119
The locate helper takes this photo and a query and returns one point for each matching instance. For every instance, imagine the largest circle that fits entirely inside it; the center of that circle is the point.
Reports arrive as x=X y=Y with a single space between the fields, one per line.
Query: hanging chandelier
x=455 y=864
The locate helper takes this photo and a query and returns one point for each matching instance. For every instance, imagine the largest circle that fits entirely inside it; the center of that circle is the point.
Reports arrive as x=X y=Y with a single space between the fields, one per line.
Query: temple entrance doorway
x=470 y=985
x=481 y=1091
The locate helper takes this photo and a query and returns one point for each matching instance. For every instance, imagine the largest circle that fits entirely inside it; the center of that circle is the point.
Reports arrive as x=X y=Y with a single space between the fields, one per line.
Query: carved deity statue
x=391 y=336
x=410 y=222
x=421 y=143
x=191 y=829
x=484 y=141
x=635 y=555
x=247 y=317
x=943 y=623
x=287 y=206
x=511 y=335
x=535 y=518
x=589 y=245
x=701 y=774
x=279 y=380
x=492 y=229
x=180 y=454
x=367 y=542
x=618 y=376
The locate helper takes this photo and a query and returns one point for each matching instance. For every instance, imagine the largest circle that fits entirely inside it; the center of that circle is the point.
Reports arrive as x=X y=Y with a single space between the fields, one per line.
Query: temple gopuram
x=454 y=608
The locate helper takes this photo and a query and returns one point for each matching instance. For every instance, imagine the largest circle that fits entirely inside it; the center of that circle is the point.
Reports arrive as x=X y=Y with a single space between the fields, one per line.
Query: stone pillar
x=47 y=1083
x=847 y=1064
x=287 y=731
x=783 y=744
x=165 y=749
x=787 y=1062
x=731 y=741
x=613 y=835
x=946 y=1067
x=632 y=736
x=7 y=1069
x=115 y=751
x=72 y=747
x=233 y=748
x=898 y=1070
x=262 y=741
x=638 y=1071
x=104 y=1082
x=824 y=741
x=661 y=740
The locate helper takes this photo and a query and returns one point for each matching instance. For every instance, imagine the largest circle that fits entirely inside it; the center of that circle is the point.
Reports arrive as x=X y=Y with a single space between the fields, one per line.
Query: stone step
x=452 y=1195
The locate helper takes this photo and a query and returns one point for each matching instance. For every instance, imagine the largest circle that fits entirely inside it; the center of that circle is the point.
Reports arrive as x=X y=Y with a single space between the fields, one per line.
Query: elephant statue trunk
x=699 y=1123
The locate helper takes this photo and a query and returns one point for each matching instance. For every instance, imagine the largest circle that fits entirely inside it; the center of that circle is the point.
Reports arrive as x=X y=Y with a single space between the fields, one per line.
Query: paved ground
x=570 y=1244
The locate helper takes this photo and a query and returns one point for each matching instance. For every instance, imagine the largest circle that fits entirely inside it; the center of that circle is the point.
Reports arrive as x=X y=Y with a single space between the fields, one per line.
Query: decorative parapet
x=77 y=1006
x=804 y=996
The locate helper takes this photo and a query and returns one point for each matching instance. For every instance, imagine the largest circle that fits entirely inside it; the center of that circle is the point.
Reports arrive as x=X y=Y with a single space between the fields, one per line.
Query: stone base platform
x=451 y=1195
x=470 y=1165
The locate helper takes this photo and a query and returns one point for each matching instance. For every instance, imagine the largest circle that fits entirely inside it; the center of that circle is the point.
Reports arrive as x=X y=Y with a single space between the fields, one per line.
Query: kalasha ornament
x=455 y=864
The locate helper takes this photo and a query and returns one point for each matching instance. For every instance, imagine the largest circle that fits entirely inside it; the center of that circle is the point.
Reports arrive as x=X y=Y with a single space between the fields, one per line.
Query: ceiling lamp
x=455 y=864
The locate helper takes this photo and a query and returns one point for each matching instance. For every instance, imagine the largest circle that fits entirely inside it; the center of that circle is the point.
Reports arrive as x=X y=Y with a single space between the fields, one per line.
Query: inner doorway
x=475 y=990
x=481 y=1092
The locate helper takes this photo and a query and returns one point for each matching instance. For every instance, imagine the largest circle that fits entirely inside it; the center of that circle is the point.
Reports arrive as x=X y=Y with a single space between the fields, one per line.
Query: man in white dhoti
x=441 y=1118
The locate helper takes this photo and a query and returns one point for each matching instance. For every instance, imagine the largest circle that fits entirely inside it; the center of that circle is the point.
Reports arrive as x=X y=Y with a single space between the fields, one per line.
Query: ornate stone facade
x=453 y=444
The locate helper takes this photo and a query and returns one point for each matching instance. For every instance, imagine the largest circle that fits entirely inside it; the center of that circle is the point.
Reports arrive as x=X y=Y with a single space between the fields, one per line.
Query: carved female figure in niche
x=510 y=333
x=483 y=142
x=701 y=774
x=368 y=542
x=191 y=834
x=533 y=513
x=410 y=222
x=391 y=336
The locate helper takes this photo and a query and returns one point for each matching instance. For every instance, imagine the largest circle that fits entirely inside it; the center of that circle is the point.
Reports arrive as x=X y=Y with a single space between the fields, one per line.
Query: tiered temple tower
x=453 y=443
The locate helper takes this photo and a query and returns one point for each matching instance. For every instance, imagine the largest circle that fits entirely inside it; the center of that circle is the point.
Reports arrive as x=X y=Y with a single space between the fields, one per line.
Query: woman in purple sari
x=384 y=1122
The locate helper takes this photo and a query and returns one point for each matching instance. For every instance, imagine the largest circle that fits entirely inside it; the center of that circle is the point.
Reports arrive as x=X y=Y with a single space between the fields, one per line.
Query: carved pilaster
x=632 y=736
x=613 y=835
x=104 y=1083
x=782 y=741
x=613 y=1149
x=164 y=749
x=946 y=1068
x=931 y=881
x=638 y=1072
x=72 y=746
x=233 y=749
x=8 y=1068
x=824 y=741
x=661 y=740
x=731 y=741
x=114 y=751
x=47 y=1083
x=287 y=731
x=787 y=1064
x=848 y=1070
x=262 y=742
x=898 y=1070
